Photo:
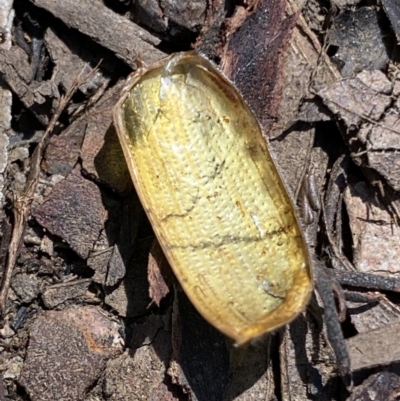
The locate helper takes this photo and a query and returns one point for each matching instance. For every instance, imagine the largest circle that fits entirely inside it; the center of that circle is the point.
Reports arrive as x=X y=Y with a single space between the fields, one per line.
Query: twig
x=22 y=201
x=364 y=117
x=333 y=329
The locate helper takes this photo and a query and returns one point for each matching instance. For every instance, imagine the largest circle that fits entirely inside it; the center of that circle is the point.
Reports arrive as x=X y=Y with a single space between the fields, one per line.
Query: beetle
x=213 y=195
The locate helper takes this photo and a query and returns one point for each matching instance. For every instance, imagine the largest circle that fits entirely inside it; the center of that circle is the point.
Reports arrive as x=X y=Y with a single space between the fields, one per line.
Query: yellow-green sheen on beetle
x=213 y=195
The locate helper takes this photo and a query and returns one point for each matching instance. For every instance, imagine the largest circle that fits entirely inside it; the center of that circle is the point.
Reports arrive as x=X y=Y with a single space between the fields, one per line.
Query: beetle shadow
x=208 y=363
x=205 y=361
x=310 y=357
x=213 y=367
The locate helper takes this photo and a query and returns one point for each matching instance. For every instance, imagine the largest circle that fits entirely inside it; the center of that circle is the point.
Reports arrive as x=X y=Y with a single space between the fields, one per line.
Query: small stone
x=6 y=331
x=13 y=368
x=26 y=286
x=47 y=246
x=21 y=153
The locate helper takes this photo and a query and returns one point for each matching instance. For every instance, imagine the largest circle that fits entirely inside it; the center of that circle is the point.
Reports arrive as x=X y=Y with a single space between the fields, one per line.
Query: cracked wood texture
x=129 y=41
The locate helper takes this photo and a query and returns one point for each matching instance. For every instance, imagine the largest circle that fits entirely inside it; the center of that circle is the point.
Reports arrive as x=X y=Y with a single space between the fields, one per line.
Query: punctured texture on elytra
x=213 y=195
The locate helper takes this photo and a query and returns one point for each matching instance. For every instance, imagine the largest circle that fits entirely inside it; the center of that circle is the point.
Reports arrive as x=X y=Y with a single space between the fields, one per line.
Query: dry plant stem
x=360 y=297
x=306 y=167
x=341 y=300
x=337 y=255
x=324 y=286
x=22 y=201
x=302 y=24
x=336 y=184
x=365 y=118
x=366 y=280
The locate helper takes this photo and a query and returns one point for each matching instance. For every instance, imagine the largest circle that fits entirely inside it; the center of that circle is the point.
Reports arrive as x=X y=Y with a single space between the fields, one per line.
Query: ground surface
x=90 y=308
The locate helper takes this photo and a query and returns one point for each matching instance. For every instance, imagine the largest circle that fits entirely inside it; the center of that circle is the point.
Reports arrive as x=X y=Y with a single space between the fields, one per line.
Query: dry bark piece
x=26 y=286
x=139 y=375
x=382 y=386
x=150 y=14
x=99 y=258
x=208 y=41
x=163 y=393
x=63 y=150
x=375 y=347
x=67 y=353
x=173 y=19
x=70 y=52
x=188 y=14
x=116 y=266
x=392 y=10
x=367 y=101
x=101 y=152
x=344 y=3
x=123 y=251
x=376 y=237
x=355 y=99
x=93 y=18
x=306 y=369
x=144 y=330
x=253 y=58
x=382 y=146
x=38 y=97
x=313 y=111
x=59 y=293
x=130 y=298
x=358 y=36
x=75 y=212
x=6 y=21
x=105 y=259
x=294 y=149
x=159 y=274
x=375 y=250
x=115 y=246
x=5 y=126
